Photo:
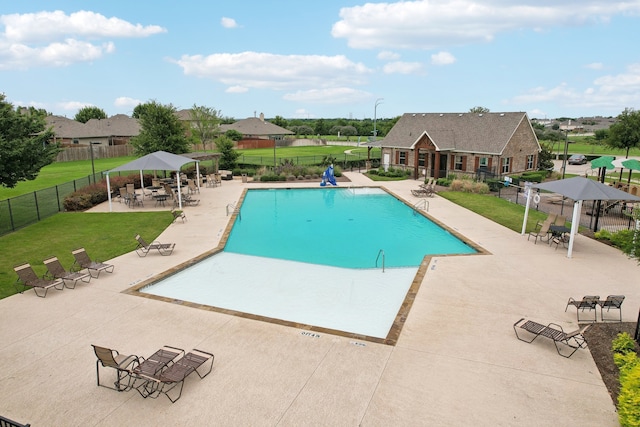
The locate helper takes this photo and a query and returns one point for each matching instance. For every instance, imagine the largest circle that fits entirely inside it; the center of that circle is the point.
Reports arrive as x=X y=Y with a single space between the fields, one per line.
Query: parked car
x=577 y=159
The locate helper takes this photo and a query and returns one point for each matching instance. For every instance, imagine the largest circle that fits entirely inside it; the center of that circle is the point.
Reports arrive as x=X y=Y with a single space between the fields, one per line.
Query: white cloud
x=302 y=113
x=442 y=58
x=73 y=105
x=430 y=24
x=610 y=93
x=400 y=67
x=339 y=95
x=595 y=66
x=276 y=72
x=228 y=22
x=57 y=39
x=125 y=101
x=237 y=89
x=387 y=55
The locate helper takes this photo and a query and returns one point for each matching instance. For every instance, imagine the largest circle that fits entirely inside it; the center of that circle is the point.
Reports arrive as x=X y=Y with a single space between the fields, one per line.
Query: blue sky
x=312 y=59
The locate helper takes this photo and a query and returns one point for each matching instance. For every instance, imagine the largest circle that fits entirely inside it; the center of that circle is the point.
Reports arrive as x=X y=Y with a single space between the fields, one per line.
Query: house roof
x=462 y=132
x=256 y=126
x=118 y=125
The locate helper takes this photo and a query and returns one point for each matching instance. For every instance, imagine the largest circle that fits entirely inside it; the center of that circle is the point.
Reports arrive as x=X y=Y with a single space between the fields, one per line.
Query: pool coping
x=399 y=320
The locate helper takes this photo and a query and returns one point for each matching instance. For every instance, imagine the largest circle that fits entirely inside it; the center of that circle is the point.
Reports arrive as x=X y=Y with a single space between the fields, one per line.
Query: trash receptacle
x=244 y=177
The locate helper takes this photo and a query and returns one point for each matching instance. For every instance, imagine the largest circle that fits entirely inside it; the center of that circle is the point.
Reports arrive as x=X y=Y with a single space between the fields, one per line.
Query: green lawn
x=579 y=145
x=60 y=173
x=104 y=236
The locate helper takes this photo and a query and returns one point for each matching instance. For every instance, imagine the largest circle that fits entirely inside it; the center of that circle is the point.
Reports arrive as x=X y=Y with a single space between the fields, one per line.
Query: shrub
x=623 y=343
x=468 y=186
x=628 y=362
x=444 y=182
x=86 y=197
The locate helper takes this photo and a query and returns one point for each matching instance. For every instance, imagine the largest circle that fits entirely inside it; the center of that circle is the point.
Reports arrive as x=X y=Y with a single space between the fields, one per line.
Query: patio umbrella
x=603 y=162
x=631 y=164
x=579 y=189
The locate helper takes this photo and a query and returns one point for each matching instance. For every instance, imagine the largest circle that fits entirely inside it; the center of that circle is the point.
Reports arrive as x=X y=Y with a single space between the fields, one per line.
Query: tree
x=229 y=156
x=160 y=130
x=205 y=123
x=87 y=113
x=279 y=121
x=625 y=132
x=233 y=135
x=24 y=147
x=545 y=157
x=479 y=110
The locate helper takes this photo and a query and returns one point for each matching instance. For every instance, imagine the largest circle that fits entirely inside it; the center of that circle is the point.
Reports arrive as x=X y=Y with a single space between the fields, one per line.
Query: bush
x=623 y=343
x=444 y=182
x=468 y=186
x=628 y=362
x=86 y=197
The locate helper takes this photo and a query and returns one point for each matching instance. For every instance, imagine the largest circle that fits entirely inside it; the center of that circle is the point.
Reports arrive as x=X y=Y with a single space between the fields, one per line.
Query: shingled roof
x=254 y=126
x=461 y=132
x=118 y=125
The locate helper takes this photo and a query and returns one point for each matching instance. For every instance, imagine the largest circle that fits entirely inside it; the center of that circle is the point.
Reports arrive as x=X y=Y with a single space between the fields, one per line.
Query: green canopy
x=603 y=162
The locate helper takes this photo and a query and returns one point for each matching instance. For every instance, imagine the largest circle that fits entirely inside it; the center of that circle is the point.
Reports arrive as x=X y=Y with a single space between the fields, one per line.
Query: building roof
x=118 y=125
x=257 y=127
x=462 y=132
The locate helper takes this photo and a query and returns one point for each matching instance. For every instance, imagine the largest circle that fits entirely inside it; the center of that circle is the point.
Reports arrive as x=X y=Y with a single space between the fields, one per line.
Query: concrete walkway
x=457 y=361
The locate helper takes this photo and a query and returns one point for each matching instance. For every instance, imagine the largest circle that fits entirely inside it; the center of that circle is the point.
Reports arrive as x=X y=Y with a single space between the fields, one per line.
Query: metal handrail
x=381 y=251
x=424 y=203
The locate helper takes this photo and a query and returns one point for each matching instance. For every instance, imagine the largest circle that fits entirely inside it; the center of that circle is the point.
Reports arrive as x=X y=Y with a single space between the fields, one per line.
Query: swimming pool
x=308 y=257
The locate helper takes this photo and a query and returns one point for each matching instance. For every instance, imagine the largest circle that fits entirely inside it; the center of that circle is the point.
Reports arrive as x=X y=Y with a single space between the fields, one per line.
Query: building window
x=422 y=157
x=530 y=161
x=483 y=162
x=76 y=141
x=458 y=163
x=402 y=158
x=506 y=165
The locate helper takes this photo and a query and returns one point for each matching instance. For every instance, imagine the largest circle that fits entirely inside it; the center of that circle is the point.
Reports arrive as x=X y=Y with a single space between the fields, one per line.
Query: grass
x=103 y=235
x=60 y=173
x=496 y=209
x=581 y=145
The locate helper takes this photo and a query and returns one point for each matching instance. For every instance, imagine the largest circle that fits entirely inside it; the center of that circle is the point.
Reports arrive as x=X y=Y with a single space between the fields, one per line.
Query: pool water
x=340 y=227
x=308 y=256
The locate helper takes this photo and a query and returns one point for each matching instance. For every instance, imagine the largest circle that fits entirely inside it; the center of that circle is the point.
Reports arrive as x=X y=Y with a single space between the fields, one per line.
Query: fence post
x=35 y=198
x=637 y=334
x=13 y=226
x=58 y=198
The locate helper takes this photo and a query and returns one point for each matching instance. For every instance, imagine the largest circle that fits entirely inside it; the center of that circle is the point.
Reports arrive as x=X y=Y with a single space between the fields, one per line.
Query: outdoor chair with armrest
x=29 y=279
x=123 y=365
x=57 y=271
x=613 y=302
x=587 y=303
x=541 y=233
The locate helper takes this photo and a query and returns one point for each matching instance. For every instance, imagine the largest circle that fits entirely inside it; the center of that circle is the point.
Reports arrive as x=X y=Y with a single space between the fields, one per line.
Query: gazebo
x=160 y=160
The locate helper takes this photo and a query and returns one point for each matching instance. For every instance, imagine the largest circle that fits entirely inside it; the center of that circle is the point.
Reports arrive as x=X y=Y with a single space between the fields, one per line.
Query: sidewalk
x=457 y=360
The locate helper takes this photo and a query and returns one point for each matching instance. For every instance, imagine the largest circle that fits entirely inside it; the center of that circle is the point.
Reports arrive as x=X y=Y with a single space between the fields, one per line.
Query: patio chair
x=29 y=279
x=560 y=220
x=82 y=261
x=143 y=247
x=123 y=365
x=587 y=303
x=613 y=302
x=174 y=376
x=193 y=188
x=572 y=340
x=6 y=422
x=541 y=233
x=57 y=271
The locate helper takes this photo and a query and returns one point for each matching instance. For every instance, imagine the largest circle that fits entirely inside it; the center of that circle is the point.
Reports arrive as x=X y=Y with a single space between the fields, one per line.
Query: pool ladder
x=232 y=209
x=380 y=252
x=422 y=204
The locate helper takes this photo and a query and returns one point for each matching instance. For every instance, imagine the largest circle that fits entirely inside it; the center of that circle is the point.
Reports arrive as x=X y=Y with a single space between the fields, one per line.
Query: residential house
x=439 y=144
x=257 y=133
x=116 y=130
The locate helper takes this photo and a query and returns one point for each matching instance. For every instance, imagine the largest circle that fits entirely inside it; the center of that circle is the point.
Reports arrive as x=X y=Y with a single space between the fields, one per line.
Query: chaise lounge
x=144 y=248
x=57 y=271
x=82 y=260
x=573 y=340
x=29 y=279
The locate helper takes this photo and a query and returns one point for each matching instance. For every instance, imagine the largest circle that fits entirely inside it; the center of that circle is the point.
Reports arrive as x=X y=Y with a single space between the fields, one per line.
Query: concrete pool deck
x=457 y=360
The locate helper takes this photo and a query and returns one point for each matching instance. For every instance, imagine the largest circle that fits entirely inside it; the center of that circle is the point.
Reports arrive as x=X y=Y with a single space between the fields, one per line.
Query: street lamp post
x=375 y=111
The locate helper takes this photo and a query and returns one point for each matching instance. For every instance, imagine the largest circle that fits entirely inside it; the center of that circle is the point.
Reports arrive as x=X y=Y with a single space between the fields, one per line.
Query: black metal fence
x=346 y=160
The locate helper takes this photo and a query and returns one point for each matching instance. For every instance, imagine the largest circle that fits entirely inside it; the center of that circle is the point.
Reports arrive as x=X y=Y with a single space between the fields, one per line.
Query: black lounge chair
x=587 y=303
x=573 y=340
x=143 y=247
x=6 y=422
x=29 y=279
x=163 y=382
x=83 y=261
x=57 y=271
x=123 y=365
x=613 y=302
